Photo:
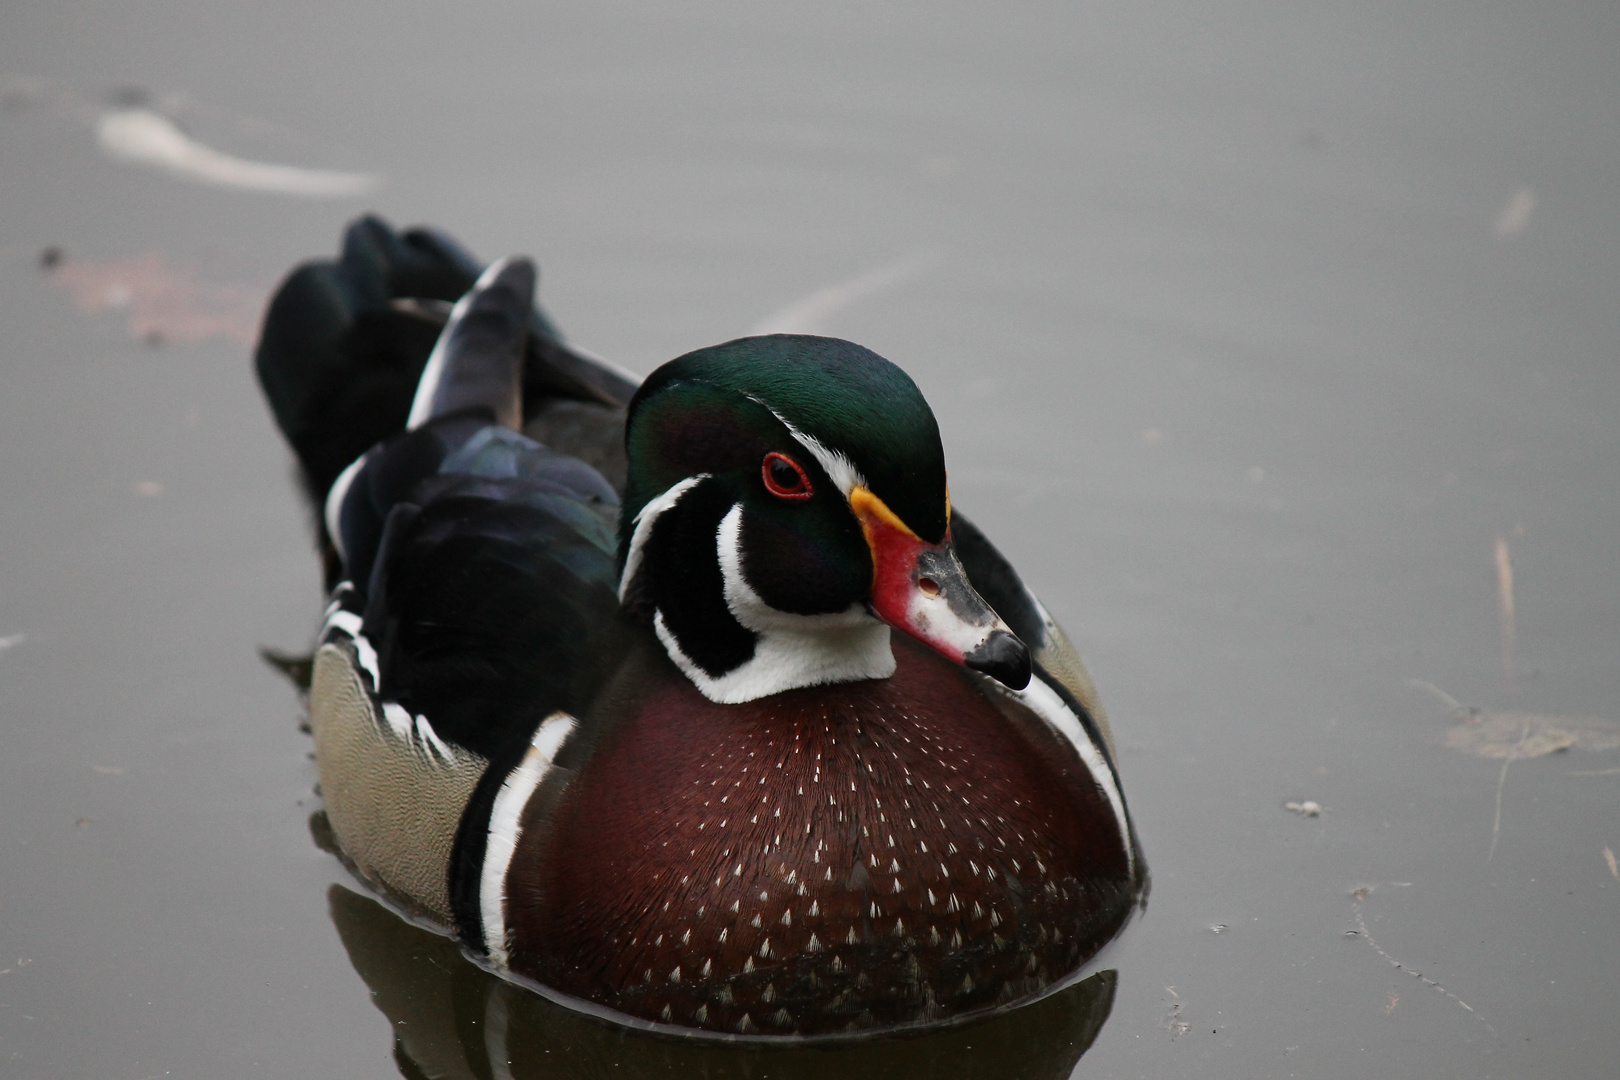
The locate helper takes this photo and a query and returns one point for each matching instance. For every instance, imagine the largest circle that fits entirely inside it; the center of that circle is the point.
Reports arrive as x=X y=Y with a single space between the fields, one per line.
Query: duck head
x=786 y=506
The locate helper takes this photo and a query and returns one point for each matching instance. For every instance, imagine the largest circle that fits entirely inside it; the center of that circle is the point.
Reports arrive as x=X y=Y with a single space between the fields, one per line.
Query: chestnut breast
x=836 y=858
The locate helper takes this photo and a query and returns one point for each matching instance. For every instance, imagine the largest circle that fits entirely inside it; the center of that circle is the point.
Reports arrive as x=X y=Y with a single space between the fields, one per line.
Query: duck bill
x=921 y=589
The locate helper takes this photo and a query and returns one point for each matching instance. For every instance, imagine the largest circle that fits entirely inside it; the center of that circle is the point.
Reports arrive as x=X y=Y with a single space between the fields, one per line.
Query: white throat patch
x=793 y=650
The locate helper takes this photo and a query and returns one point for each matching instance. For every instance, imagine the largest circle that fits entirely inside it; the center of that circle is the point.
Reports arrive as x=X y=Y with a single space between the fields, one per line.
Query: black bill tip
x=1002 y=657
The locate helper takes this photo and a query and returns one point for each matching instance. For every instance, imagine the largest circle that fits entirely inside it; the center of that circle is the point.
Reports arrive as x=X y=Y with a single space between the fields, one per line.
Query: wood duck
x=691 y=703
x=450 y=1021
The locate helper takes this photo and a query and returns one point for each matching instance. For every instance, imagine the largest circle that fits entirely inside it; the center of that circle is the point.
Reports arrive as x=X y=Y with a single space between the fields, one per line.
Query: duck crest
x=692 y=776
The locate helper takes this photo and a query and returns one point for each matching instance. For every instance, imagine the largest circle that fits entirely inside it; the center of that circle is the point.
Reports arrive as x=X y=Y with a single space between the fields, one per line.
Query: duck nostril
x=928 y=586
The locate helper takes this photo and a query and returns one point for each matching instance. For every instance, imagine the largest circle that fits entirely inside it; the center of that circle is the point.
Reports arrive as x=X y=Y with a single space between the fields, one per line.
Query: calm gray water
x=1265 y=338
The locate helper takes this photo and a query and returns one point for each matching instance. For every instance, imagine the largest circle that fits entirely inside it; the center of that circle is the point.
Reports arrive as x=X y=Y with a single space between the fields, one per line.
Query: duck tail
x=477 y=364
x=345 y=341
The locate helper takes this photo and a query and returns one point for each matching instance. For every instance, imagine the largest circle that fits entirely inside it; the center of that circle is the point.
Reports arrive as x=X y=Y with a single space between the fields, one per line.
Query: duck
x=688 y=701
x=425 y=988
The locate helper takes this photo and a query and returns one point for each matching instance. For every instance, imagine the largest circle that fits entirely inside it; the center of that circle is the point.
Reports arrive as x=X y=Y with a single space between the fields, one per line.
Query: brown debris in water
x=1608 y=857
x=1511 y=736
x=162 y=303
x=1514 y=736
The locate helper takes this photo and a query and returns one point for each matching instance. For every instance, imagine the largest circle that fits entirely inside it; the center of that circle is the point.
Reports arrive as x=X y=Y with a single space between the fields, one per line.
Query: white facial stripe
x=673 y=646
x=1045 y=703
x=840 y=468
x=749 y=608
x=792 y=650
x=504 y=830
x=645 y=519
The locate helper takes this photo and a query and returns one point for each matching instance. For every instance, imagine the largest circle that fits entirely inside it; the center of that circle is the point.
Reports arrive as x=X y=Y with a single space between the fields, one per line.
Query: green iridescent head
x=718 y=408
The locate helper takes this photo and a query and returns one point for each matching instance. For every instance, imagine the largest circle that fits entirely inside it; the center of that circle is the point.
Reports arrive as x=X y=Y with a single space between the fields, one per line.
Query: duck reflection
x=454 y=1021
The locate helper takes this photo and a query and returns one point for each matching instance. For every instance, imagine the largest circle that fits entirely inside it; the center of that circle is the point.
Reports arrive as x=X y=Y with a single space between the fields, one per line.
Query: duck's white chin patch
x=785 y=660
x=792 y=650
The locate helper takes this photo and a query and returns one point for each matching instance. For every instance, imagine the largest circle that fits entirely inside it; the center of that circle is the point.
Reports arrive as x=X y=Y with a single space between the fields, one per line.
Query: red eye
x=785 y=478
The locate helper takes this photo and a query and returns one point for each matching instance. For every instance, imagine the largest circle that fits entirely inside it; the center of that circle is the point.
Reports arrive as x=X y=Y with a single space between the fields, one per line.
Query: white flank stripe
x=644 y=526
x=504 y=830
x=1050 y=707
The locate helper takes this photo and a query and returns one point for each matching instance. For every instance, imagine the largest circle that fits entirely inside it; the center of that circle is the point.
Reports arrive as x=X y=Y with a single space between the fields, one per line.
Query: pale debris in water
x=1512 y=735
x=1515 y=735
x=1515 y=215
x=144 y=137
x=1175 y=1024
x=1308 y=808
x=1608 y=857
x=809 y=314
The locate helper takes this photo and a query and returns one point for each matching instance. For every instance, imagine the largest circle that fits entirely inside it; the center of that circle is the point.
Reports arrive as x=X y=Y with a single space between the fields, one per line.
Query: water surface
x=1262 y=336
